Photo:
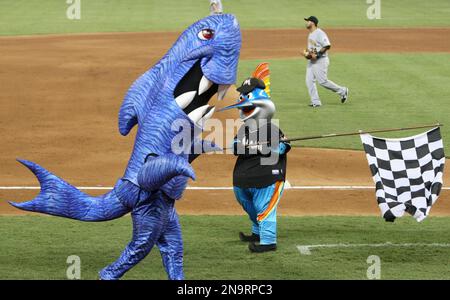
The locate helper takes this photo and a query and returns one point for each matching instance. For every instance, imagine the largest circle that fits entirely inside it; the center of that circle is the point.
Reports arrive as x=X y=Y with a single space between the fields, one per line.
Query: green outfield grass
x=386 y=90
x=36 y=247
x=18 y=17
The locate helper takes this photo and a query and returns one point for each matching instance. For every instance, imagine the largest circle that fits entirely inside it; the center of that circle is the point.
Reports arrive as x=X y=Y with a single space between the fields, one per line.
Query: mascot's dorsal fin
x=262 y=72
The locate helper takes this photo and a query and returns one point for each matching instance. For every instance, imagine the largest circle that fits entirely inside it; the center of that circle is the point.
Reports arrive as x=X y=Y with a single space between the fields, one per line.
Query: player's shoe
x=313 y=105
x=261 y=248
x=248 y=238
x=345 y=97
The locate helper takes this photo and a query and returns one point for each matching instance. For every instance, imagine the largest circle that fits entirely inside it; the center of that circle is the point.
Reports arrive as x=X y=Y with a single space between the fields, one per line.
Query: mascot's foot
x=104 y=275
x=261 y=248
x=248 y=238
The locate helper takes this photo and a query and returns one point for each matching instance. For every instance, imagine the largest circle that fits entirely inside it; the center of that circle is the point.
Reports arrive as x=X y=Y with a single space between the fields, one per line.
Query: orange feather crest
x=262 y=72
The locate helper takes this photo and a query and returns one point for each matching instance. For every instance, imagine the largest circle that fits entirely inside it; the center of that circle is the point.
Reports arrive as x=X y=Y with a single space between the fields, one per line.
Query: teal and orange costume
x=260 y=170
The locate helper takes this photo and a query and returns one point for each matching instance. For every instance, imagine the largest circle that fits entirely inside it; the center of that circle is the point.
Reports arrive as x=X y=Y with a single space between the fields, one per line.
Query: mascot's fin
x=59 y=198
x=127 y=117
x=160 y=169
x=135 y=99
x=262 y=72
x=176 y=186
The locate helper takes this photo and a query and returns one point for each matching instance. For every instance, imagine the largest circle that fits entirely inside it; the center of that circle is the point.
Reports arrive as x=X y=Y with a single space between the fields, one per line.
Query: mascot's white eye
x=206 y=34
x=242 y=98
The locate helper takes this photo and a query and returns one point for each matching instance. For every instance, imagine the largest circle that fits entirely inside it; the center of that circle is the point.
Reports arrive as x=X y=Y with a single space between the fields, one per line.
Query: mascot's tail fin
x=59 y=198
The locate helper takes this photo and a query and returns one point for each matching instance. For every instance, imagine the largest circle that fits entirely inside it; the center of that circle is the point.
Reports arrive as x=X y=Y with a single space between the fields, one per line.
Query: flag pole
x=314 y=137
x=323 y=136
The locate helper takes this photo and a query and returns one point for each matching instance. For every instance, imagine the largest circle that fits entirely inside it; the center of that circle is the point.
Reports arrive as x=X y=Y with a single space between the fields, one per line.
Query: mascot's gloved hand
x=282 y=148
x=202 y=146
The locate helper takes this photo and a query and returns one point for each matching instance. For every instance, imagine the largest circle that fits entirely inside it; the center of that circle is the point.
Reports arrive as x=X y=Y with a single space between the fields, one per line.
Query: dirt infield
x=287 y=42
x=307 y=167
x=283 y=43
x=60 y=96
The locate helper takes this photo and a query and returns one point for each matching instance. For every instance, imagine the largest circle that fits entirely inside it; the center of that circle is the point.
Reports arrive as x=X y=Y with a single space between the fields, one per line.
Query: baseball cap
x=250 y=84
x=312 y=19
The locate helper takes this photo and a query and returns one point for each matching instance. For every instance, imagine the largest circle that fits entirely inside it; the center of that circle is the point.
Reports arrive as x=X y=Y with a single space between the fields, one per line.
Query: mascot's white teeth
x=185 y=99
x=200 y=113
x=206 y=116
x=222 y=91
x=205 y=84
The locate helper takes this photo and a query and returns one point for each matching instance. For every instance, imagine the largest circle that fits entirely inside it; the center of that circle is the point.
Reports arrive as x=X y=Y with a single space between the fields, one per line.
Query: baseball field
x=62 y=82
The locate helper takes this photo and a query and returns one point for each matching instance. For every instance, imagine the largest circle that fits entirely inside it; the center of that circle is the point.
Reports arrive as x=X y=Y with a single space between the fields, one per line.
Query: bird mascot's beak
x=243 y=102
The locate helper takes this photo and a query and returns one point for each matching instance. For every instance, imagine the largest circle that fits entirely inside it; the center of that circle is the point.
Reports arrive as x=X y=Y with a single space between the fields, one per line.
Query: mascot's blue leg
x=171 y=247
x=244 y=197
x=151 y=218
x=266 y=202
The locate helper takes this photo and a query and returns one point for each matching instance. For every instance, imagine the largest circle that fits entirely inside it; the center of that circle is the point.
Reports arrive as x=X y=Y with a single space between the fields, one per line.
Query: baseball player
x=318 y=62
x=215 y=7
x=258 y=184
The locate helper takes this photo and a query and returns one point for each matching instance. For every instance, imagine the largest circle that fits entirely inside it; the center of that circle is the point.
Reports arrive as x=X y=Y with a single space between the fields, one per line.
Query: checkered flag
x=407 y=172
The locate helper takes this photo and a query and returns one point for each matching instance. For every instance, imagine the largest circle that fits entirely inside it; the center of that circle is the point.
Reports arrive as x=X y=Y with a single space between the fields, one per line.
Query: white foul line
x=38 y=187
x=306 y=249
x=204 y=188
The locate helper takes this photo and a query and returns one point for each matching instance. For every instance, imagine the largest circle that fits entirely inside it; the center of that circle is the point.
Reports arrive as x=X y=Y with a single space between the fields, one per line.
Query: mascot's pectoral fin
x=135 y=100
x=158 y=170
x=127 y=117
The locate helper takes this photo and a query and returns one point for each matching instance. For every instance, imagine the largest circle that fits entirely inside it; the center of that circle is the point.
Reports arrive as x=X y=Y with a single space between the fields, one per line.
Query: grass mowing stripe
x=36 y=247
x=49 y=16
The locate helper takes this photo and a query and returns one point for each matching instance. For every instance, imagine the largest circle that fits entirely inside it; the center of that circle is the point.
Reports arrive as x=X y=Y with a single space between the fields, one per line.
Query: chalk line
x=287 y=187
x=306 y=249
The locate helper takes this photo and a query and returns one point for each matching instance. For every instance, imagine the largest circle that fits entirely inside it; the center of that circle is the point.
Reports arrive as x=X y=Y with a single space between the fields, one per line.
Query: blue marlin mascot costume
x=202 y=62
x=260 y=170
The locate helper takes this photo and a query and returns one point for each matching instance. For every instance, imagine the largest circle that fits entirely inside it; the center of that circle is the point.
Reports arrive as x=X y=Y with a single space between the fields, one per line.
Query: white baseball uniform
x=317 y=70
x=215 y=7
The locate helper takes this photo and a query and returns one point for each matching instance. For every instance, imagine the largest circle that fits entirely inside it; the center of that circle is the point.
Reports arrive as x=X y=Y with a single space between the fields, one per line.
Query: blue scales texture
x=155 y=176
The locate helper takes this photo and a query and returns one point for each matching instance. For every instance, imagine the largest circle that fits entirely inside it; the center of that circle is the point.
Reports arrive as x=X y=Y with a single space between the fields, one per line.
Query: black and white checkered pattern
x=407 y=172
